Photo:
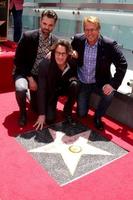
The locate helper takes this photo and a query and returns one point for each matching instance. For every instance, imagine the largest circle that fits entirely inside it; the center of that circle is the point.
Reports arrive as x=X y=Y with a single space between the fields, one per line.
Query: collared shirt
x=86 y=73
x=43 y=50
x=66 y=69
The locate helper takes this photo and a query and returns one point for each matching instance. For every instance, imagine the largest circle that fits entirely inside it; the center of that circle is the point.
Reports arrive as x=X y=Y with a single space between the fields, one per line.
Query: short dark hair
x=50 y=14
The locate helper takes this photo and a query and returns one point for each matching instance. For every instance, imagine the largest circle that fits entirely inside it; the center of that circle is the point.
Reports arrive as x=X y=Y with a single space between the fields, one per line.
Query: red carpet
x=22 y=178
x=7 y=52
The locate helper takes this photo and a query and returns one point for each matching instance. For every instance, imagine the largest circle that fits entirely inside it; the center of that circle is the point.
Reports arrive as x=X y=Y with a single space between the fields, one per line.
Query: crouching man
x=57 y=77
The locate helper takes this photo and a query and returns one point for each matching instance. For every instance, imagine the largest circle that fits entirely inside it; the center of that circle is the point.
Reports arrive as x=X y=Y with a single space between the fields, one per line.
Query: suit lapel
x=100 y=50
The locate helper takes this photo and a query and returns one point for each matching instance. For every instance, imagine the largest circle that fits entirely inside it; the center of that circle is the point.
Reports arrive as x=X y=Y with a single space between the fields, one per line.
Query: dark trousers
x=84 y=97
x=17 y=20
x=71 y=92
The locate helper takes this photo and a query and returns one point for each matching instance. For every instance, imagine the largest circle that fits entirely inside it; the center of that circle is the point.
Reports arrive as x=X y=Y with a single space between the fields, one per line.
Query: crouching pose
x=33 y=46
x=57 y=77
x=96 y=54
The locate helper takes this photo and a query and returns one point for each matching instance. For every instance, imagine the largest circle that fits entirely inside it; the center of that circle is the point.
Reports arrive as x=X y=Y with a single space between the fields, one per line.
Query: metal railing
x=79 y=6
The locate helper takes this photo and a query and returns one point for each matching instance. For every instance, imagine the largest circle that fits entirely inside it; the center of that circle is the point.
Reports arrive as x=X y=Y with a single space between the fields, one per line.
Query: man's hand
x=74 y=54
x=32 y=83
x=107 y=89
x=40 y=122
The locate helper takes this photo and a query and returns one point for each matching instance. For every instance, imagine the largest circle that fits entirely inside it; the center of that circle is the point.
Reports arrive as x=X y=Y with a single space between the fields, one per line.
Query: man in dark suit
x=57 y=77
x=33 y=46
x=95 y=56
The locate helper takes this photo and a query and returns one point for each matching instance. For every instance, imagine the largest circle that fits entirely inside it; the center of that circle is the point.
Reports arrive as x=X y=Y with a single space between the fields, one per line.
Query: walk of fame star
x=71 y=149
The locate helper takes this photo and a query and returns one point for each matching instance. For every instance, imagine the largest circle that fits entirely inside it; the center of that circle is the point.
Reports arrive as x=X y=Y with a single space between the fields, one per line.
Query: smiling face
x=61 y=56
x=91 y=32
x=91 y=26
x=47 y=25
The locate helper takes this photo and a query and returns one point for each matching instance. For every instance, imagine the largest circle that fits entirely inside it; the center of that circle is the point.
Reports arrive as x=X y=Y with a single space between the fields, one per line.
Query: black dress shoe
x=23 y=119
x=69 y=121
x=98 y=123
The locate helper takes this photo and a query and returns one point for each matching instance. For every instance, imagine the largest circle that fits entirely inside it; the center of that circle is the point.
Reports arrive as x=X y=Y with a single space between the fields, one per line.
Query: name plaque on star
x=75 y=149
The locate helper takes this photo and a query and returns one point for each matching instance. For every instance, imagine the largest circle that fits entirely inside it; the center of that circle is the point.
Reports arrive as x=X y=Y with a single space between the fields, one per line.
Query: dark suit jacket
x=26 y=52
x=50 y=82
x=108 y=53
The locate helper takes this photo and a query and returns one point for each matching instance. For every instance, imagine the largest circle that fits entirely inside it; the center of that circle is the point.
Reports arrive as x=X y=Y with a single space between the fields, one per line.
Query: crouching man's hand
x=40 y=122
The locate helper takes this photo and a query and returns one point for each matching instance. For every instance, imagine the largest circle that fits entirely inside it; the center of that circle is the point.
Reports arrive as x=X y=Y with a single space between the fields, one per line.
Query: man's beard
x=46 y=33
